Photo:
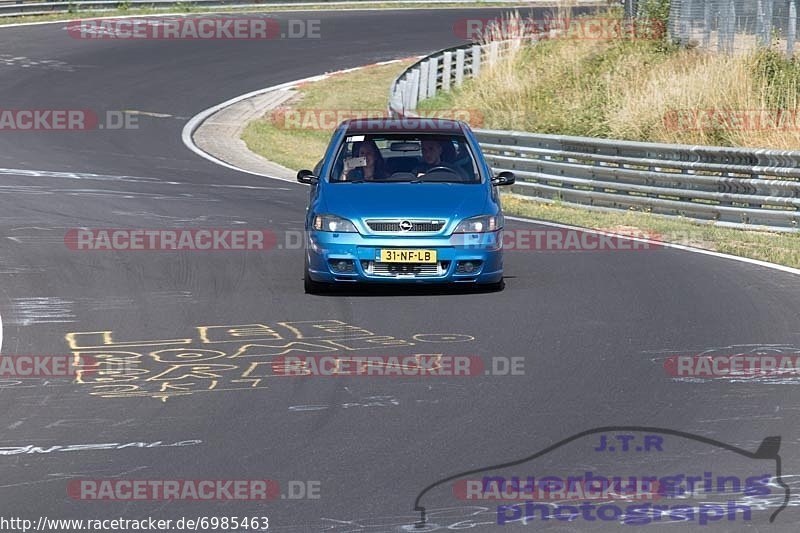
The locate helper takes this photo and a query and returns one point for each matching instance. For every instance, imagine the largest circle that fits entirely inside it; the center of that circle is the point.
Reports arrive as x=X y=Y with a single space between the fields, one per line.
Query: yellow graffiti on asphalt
x=218 y=358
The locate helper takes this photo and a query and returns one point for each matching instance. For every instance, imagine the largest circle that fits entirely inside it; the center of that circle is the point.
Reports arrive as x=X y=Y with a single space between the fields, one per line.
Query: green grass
x=783 y=75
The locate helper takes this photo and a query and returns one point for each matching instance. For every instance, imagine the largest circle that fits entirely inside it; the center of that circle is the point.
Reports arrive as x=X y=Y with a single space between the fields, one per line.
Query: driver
x=433 y=155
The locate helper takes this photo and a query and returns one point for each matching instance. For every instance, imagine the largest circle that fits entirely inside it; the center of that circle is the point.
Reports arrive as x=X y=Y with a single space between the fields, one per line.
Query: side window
x=338 y=166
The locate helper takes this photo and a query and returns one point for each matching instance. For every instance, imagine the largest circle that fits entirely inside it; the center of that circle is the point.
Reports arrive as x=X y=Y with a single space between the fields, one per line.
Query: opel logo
x=406 y=225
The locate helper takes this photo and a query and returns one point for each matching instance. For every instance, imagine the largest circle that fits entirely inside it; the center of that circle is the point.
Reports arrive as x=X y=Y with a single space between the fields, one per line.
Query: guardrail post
x=476 y=60
x=459 y=66
x=494 y=48
x=399 y=96
x=423 y=75
x=433 y=73
x=791 y=34
x=413 y=91
x=402 y=94
x=447 y=61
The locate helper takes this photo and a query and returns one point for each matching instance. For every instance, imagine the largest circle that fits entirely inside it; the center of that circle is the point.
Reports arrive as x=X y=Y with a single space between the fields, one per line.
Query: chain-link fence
x=735 y=25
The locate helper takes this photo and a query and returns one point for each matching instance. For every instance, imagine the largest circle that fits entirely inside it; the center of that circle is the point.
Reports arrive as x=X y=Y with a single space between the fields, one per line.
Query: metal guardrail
x=441 y=71
x=734 y=186
x=18 y=8
x=27 y=8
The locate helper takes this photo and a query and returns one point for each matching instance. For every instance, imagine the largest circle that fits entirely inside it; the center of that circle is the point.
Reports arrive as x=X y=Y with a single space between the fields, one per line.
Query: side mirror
x=307 y=177
x=504 y=178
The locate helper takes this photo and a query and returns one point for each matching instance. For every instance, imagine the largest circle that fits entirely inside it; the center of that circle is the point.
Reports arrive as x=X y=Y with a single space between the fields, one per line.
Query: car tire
x=311 y=286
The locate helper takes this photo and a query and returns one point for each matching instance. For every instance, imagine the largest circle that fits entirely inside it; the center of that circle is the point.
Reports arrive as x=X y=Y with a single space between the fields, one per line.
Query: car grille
x=377 y=268
x=393 y=226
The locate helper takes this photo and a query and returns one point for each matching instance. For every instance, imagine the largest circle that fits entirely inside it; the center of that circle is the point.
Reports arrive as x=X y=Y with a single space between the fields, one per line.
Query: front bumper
x=327 y=252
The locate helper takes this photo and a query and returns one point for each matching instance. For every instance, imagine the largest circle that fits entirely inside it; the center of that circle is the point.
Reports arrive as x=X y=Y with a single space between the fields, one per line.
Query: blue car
x=403 y=201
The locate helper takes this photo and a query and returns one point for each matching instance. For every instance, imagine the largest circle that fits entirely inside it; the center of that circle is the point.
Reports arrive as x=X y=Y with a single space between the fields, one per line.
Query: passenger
x=375 y=168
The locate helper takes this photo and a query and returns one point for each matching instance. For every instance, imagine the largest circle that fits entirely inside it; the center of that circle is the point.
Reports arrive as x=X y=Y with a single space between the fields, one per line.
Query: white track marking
x=197 y=120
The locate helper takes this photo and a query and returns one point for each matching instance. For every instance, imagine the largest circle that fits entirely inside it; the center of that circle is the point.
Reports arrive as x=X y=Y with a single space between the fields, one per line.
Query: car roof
x=403 y=125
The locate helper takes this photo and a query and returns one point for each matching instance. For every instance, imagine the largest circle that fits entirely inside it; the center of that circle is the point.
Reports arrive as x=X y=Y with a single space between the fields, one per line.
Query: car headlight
x=482 y=224
x=334 y=224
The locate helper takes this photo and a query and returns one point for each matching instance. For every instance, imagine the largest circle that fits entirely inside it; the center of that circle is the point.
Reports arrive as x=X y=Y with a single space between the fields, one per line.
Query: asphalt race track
x=593 y=328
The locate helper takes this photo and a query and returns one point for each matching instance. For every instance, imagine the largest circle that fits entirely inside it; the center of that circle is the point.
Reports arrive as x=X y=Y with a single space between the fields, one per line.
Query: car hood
x=361 y=201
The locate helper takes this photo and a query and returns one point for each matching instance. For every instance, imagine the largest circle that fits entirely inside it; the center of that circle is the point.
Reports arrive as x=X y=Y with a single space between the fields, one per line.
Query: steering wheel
x=434 y=169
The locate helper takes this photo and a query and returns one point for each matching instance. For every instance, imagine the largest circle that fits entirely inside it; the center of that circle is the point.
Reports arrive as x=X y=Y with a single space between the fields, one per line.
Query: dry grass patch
x=634 y=90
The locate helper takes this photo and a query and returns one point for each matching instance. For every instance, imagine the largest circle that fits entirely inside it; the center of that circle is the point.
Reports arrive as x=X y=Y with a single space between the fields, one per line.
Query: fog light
x=467 y=267
x=341 y=265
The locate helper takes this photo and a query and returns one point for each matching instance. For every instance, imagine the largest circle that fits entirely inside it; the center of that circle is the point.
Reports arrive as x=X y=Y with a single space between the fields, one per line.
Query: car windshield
x=410 y=158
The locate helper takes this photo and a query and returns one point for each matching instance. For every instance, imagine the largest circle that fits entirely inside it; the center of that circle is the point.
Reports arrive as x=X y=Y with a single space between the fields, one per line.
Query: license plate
x=408 y=256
